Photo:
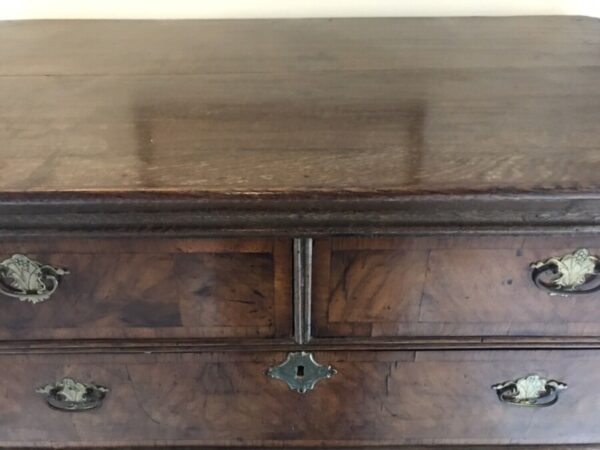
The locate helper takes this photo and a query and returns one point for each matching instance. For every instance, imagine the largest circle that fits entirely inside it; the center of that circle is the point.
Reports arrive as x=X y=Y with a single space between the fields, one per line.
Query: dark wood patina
x=370 y=190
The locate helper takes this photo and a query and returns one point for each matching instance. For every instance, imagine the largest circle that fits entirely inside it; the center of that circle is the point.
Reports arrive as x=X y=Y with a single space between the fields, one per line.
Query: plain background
x=173 y=9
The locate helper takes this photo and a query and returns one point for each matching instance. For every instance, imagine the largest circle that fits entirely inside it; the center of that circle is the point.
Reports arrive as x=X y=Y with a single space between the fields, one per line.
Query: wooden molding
x=290 y=215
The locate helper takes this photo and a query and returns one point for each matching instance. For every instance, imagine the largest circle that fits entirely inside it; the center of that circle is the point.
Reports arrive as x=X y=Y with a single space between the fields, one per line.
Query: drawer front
x=387 y=398
x=161 y=288
x=425 y=286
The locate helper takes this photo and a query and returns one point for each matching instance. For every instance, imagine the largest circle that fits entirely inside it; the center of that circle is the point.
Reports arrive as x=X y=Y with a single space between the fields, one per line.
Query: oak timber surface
x=367 y=105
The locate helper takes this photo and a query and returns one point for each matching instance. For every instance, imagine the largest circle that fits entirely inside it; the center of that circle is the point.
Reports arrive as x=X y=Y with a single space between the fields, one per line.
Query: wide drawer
x=387 y=398
x=138 y=288
x=455 y=286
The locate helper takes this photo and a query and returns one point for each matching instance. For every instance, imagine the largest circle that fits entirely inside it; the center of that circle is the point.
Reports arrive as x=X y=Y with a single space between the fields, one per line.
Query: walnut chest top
x=287 y=126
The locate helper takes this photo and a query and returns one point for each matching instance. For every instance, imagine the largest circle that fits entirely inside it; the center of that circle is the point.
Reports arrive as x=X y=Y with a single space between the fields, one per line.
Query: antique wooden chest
x=353 y=233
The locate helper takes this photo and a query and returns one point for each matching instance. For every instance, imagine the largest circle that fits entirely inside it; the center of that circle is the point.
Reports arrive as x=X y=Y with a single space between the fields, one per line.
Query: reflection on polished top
x=393 y=105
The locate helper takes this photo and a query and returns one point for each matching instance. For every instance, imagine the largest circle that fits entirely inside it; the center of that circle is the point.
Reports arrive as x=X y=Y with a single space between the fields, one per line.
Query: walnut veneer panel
x=159 y=288
x=376 y=398
x=463 y=286
x=395 y=105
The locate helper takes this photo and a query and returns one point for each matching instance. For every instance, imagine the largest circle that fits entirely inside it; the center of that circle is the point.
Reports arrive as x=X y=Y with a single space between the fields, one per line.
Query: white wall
x=55 y=9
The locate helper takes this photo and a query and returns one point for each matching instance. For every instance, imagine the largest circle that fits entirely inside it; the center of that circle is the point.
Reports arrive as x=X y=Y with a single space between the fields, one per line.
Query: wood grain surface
x=462 y=286
x=160 y=288
x=310 y=106
x=167 y=131
x=384 y=399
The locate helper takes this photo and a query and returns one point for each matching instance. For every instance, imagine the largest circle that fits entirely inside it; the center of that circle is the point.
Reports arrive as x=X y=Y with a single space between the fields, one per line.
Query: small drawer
x=460 y=286
x=138 y=288
x=375 y=399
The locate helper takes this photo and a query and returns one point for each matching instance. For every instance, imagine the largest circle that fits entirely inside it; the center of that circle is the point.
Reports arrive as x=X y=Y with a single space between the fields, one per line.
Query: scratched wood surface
x=387 y=398
x=159 y=288
x=462 y=286
x=369 y=105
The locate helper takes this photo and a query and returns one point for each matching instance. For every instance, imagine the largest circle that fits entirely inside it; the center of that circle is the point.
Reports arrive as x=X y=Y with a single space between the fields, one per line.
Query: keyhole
x=299 y=371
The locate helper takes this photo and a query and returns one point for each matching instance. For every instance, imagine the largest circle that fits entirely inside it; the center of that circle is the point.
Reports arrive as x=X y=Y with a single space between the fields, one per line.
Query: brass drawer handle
x=575 y=273
x=531 y=390
x=71 y=395
x=28 y=280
